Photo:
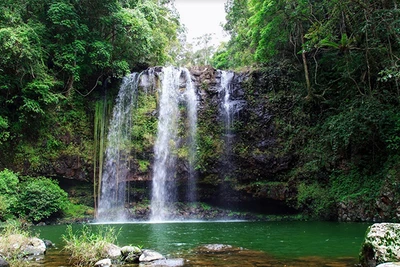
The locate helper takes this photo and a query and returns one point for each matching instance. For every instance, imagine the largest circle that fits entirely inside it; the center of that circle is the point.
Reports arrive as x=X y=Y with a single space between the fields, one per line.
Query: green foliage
x=87 y=245
x=314 y=200
x=40 y=198
x=51 y=52
x=144 y=129
x=74 y=211
x=353 y=184
x=143 y=165
x=33 y=199
x=9 y=188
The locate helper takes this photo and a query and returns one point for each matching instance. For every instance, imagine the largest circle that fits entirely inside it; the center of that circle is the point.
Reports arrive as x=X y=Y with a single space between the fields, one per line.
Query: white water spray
x=113 y=182
x=176 y=88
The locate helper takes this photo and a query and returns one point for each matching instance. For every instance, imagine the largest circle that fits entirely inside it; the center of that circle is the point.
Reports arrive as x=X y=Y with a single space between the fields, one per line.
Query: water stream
x=177 y=97
x=163 y=186
x=177 y=124
x=113 y=182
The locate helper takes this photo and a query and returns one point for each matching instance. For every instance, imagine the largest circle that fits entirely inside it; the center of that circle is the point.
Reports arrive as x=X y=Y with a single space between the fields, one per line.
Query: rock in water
x=150 y=255
x=217 y=248
x=103 y=263
x=35 y=246
x=381 y=244
x=131 y=254
x=112 y=251
x=164 y=263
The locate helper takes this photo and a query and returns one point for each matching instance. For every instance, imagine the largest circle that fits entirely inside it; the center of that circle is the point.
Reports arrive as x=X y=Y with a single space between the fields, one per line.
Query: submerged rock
x=150 y=255
x=381 y=244
x=103 y=263
x=217 y=248
x=164 y=263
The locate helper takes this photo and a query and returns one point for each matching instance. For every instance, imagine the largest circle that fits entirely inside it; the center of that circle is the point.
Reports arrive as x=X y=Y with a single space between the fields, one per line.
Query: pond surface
x=262 y=243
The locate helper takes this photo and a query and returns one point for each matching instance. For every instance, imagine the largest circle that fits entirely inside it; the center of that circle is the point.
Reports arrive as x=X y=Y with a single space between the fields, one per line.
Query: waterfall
x=175 y=142
x=177 y=91
x=116 y=166
x=227 y=104
x=231 y=105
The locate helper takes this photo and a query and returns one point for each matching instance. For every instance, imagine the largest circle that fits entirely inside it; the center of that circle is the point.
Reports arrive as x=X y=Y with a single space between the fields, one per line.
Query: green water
x=268 y=243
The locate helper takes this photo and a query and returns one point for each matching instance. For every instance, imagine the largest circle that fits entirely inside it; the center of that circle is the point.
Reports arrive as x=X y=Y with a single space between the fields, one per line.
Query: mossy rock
x=381 y=244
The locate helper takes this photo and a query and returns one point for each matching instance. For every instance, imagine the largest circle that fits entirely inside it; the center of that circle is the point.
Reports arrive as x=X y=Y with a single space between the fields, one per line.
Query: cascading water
x=177 y=123
x=226 y=78
x=164 y=164
x=176 y=89
x=113 y=181
x=231 y=105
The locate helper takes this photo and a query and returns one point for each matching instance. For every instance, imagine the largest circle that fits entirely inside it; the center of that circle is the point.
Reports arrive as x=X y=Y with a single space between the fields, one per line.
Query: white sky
x=201 y=17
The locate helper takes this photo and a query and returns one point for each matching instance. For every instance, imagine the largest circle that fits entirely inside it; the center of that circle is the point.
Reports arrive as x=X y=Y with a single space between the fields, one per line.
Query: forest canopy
x=50 y=48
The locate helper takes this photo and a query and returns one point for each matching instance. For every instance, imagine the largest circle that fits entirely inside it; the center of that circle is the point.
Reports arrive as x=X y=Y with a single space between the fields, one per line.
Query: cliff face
x=240 y=167
x=259 y=157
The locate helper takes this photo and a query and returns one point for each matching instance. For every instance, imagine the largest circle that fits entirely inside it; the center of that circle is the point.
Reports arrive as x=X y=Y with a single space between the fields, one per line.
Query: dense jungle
x=319 y=137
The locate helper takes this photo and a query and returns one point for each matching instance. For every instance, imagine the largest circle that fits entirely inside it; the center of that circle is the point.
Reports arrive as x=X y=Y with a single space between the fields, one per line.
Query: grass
x=87 y=246
x=13 y=233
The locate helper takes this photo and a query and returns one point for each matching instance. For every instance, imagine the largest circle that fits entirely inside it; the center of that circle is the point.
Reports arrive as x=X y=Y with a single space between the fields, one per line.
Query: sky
x=201 y=17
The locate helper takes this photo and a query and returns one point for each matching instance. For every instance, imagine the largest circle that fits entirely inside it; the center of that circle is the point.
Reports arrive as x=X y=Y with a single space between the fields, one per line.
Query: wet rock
x=103 y=263
x=48 y=243
x=27 y=246
x=131 y=254
x=34 y=246
x=164 y=263
x=389 y=264
x=217 y=248
x=381 y=244
x=112 y=251
x=150 y=255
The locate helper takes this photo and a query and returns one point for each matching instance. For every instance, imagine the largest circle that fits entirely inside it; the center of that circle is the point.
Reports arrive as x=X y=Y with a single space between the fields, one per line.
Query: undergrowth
x=86 y=245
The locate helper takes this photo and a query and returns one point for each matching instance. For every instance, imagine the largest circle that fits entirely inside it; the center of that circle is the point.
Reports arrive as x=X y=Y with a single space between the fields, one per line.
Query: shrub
x=314 y=200
x=8 y=193
x=87 y=246
x=30 y=198
x=41 y=198
x=77 y=211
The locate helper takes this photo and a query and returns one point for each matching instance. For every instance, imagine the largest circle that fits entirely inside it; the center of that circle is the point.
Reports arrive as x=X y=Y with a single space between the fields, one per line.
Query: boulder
x=381 y=244
x=131 y=254
x=21 y=245
x=126 y=250
x=112 y=251
x=103 y=263
x=34 y=247
x=150 y=255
